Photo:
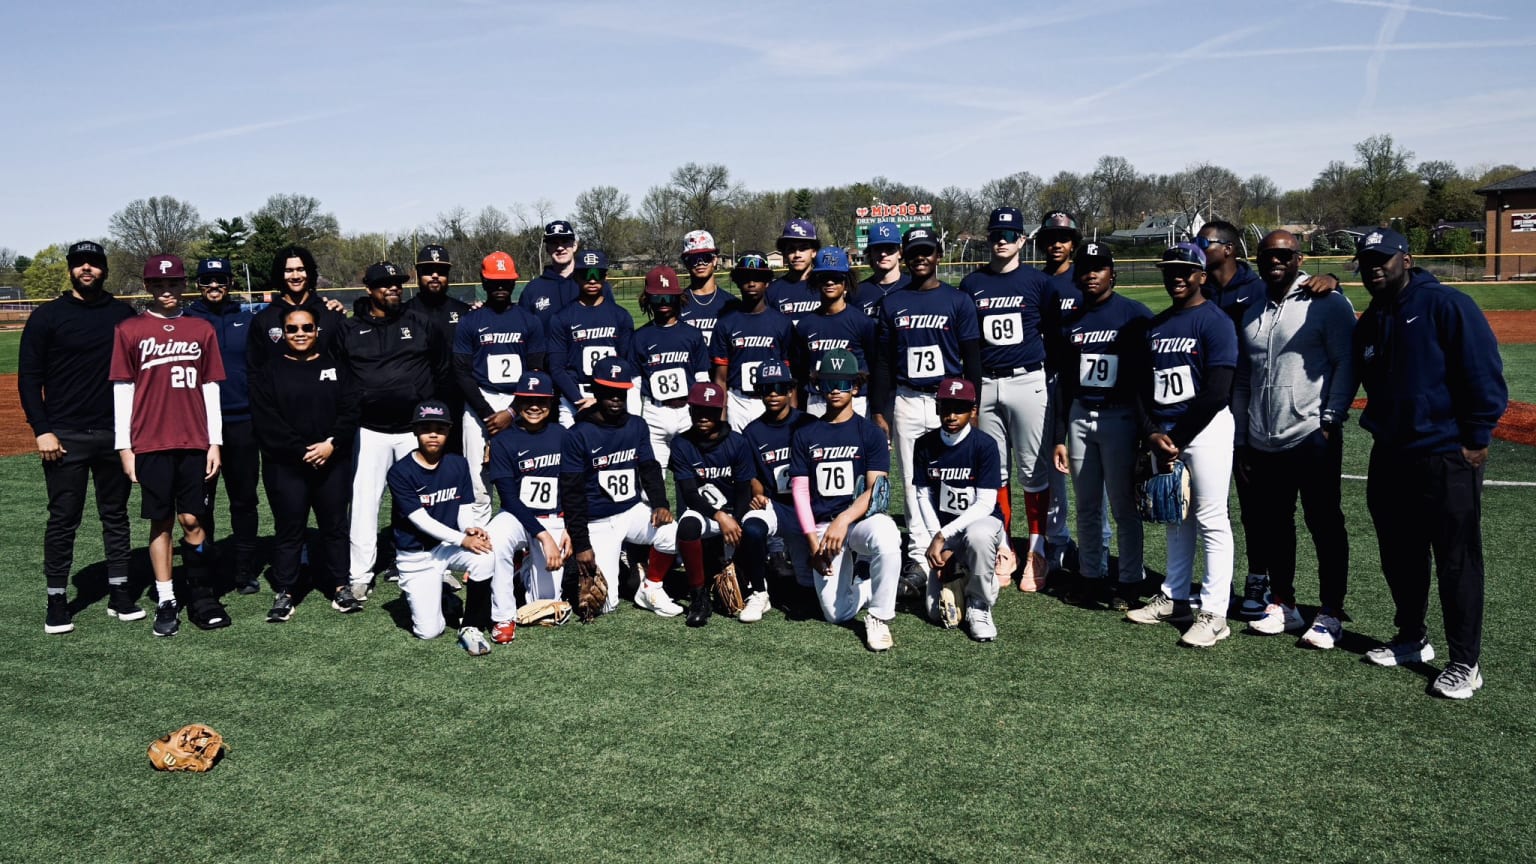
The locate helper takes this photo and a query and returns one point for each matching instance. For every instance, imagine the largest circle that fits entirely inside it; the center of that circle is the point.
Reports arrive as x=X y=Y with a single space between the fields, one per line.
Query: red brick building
x=1510 y=211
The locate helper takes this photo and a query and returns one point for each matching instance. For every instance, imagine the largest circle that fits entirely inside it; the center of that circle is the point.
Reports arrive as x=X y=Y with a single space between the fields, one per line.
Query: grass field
x=1074 y=738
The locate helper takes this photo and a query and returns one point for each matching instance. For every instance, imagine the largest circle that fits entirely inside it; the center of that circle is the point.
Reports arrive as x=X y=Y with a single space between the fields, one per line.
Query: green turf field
x=1076 y=737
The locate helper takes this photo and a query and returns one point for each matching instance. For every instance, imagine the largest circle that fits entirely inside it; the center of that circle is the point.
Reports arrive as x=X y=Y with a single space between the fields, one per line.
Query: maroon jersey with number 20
x=168 y=360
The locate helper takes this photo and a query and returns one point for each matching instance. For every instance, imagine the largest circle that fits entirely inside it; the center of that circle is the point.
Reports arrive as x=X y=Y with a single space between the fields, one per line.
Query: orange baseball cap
x=498 y=266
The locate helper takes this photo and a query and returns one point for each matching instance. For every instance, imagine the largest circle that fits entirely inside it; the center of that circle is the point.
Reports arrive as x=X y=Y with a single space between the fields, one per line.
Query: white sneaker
x=1324 y=633
x=982 y=628
x=474 y=642
x=1401 y=652
x=1206 y=631
x=1458 y=681
x=654 y=597
x=752 y=611
x=877 y=634
x=360 y=590
x=1278 y=618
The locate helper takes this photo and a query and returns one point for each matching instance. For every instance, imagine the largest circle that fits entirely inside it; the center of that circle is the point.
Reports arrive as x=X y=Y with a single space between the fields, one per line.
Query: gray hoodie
x=1295 y=368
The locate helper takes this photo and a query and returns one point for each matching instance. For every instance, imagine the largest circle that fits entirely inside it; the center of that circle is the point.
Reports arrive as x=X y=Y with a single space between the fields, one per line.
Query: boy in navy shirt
x=834 y=325
x=882 y=252
x=837 y=475
x=585 y=332
x=671 y=356
x=749 y=336
x=703 y=300
x=434 y=531
x=773 y=506
x=791 y=293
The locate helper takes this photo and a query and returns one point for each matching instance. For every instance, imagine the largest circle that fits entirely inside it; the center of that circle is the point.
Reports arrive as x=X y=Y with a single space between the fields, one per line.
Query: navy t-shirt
x=1185 y=344
x=925 y=329
x=670 y=359
x=440 y=491
x=525 y=469
x=609 y=457
x=745 y=342
x=1095 y=346
x=580 y=336
x=770 y=443
x=954 y=474
x=849 y=330
x=1009 y=308
x=868 y=294
x=715 y=469
x=836 y=456
x=704 y=312
x=793 y=299
x=499 y=343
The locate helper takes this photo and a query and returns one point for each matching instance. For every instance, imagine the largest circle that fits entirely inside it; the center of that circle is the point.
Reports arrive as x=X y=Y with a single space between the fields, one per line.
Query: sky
x=224 y=104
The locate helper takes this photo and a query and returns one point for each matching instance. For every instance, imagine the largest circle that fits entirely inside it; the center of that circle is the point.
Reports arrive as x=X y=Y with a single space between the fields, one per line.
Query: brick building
x=1510 y=212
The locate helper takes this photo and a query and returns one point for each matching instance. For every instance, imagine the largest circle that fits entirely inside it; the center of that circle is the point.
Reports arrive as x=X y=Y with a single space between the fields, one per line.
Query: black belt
x=1100 y=406
x=1010 y=372
x=679 y=402
x=929 y=388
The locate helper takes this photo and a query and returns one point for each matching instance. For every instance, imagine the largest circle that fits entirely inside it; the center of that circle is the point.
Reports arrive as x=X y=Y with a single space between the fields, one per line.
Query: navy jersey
x=953 y=475
x=525 y=469
x=1234 y=298
x=1064 y=284
x=836 y=456
x=794 y=299
x=1063 y=300
x=745 y=342
x=499 y=343
x=609 y=457
x=715 y=469
x=441 y=491
x=769 y=443
x=868 y=294
x=925 y=329
x=849 y=330
x=1008 y=308
x=1185 y=343
x=704 y=312
x=1093 y=340
x=670 y=359
x=579 y=336
x=549 y=292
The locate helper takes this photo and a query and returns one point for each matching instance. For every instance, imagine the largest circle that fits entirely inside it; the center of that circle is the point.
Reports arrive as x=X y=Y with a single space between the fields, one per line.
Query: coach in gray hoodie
x=1295 y=380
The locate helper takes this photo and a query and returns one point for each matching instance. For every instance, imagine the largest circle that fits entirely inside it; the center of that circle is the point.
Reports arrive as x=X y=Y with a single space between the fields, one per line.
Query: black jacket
x=66 y=350
x=397 y=360
x=295 y=403
x=266 y=340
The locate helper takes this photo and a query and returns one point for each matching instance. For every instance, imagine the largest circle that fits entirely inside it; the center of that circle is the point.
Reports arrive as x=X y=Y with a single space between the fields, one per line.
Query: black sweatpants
x=241 y=469
x=88 y=455
x=1313 y=469
x=1425 y=505
x=1248 y=512
x=293 y=490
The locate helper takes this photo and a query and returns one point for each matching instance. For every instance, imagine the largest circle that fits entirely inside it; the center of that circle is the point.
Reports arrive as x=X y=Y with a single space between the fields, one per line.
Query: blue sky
x=109 y=102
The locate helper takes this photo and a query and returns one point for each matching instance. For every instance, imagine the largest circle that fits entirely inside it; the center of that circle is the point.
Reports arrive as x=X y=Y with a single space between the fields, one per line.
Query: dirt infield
x=1512 y=328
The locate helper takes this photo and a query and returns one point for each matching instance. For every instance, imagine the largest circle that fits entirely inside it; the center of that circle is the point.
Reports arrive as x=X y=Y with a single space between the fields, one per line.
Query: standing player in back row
x=1009 y=301
x=835 y=326
x=882 y=252
x=1058 y=239
x=703 y=300
x=670 y=356
x=928 y=333
x=791 y=293
x=750 y=335
x=585 y=332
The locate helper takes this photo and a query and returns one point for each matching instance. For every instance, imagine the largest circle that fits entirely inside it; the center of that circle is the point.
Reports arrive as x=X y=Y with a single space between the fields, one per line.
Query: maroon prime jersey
x=168 y=360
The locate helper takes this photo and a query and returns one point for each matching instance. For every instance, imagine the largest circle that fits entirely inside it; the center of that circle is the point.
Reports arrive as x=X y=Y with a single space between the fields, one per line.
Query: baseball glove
x=545 y=613
x=729 y=590
x=1164 y=498
x=879 y=499
x=591 y=592
x=193 y=747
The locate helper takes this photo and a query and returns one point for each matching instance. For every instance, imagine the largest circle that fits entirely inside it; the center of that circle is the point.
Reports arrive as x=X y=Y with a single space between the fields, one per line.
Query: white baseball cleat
x=755 y=607
x=654 y=597
x=877 y=634
x=473 y=642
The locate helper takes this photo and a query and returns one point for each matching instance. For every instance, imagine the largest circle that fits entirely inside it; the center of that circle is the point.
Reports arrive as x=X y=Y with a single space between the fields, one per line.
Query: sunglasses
x=1277 y=254
x=298 y=328
x=698 y=258
x=594 y=275
x=1004 y=235
x=883 y=250
x=783 y=388
x=209 y=283
x=1205 y=243
x=432 y=269
x=919 y=252
x=835 y=385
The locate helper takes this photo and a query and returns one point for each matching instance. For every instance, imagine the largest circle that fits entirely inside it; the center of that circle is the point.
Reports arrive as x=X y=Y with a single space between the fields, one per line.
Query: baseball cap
x=535 y=384
x=498 y=267
x=774 y=373
x=615 y=372
x=432 y=254
x=213 y=267
x=590 y=258
x=698 y=241
x=957 y=389
x=558 y=228
x=919 y=236
x=800 y=229
x=751 y=261
x=1059 y=220
x=1006 y=218
x=837 y=363
x=831 y=259
x=86 y=250
x=383 y=273
x=1183 y=254
x=1383 y=241
x=706 y=395
x=431 y=411
x=662 y=280
x=883 y=234
x=164 y=267
x=1093 y=256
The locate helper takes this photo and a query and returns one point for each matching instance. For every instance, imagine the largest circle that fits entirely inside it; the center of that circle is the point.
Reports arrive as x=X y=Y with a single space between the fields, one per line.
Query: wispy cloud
x=1388 y=32
x=222 y=134
x=1427 y=10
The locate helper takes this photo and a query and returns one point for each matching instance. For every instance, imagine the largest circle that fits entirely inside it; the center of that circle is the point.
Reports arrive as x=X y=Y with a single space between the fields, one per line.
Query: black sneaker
x=1120 y=596
x=58 y=620
x=249 y=586
x=123 y=605
x=282 y=608
x=167 y=618
x=345 y=602
x=698 y=607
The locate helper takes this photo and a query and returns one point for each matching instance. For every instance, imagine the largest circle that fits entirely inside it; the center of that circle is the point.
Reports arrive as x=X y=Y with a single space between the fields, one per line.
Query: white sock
x=165 y=591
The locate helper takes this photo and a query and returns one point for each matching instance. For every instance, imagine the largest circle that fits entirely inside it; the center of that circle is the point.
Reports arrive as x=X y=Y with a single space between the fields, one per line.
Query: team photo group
x=526 y=440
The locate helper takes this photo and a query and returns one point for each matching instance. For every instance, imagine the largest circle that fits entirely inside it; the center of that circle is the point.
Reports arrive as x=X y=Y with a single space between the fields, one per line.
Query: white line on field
x=1485 y=482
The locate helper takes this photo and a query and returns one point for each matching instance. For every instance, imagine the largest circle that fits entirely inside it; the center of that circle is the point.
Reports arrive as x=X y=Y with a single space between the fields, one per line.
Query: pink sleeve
x=801 y=488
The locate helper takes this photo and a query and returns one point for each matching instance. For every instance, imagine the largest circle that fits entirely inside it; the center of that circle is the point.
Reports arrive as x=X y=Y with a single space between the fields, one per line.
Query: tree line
x=1380 y=185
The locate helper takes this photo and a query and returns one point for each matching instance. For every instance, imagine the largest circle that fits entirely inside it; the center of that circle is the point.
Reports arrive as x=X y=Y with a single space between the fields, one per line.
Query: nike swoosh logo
x=240 y=324
x=481 y=329
x=1242 y=300
x=1077 y=329
x=361 y=332
x=522 y=452
x=1411 y=320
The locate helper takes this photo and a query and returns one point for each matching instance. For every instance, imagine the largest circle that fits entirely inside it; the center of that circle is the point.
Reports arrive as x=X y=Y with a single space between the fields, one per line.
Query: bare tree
x=661 y=221
x=301 y=218
x=529 y=221
x=1123 y=194
x=1075 y=193
x=701 y=190
x=1021 y=190
x=155 y=226
x=601 y=214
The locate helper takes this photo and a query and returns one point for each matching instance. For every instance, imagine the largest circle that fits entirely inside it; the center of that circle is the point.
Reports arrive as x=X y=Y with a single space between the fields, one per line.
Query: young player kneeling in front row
x=769 y=438
x=837 y=475
x=958 y=475
x=431 y=515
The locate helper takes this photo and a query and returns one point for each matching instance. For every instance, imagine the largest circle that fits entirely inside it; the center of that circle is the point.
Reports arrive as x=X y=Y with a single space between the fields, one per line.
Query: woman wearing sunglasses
x=304 y=407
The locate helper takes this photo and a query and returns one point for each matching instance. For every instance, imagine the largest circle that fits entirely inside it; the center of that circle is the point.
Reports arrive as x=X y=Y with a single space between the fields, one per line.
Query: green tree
x=804 y=202
x=21 y=264
x=46 y=275
x=1384 y=179
x=1418 y=240
x=227 y=238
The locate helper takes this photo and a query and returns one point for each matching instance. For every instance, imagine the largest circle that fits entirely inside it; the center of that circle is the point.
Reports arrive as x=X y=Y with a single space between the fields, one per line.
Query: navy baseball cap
x=1184 y=254
x=383 y=273
x=615 y=372
x=433 y=254
x=431 y=411
x=1382 y=241
x=558 y=229
x=592 y=258
x=535 y=384
x=837 y=363
x=883 y=234
x=800 y=229
x=919 y=236
x=1059 y=220
x=214 y=267
x=830 y=259
x=1006 y=219
x=774 y=373
x=1092 y=256
x=84 y=251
